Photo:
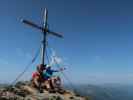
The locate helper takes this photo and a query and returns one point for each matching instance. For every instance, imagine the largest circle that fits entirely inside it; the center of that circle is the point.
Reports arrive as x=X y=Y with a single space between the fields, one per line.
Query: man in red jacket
x=37 y=77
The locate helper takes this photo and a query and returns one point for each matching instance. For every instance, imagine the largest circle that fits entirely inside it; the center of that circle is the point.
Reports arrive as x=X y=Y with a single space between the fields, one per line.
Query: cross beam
x=44 y=29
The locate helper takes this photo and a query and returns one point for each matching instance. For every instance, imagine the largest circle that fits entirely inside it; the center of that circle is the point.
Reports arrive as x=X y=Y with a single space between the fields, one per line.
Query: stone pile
x=22 y=91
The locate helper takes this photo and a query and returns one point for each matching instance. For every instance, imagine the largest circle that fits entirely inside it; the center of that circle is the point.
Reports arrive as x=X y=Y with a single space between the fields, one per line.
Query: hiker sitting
x=49 y=78
x=37 y=77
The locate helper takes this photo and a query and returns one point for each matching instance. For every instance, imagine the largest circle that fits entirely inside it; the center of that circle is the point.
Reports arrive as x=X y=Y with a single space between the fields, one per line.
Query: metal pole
x=44 y=36
x=43 y=48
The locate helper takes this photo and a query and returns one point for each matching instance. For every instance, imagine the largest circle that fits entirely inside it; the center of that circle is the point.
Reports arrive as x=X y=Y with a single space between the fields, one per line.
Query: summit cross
x=45 y=30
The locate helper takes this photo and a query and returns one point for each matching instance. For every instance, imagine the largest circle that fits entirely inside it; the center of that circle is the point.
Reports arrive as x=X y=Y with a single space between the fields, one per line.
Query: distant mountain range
x=106 y=91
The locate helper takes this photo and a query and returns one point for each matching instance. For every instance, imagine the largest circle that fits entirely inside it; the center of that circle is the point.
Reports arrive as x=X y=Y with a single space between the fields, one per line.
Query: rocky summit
x=23 y=91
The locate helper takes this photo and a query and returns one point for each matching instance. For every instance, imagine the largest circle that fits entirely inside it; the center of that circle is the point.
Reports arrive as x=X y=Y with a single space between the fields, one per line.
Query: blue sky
x=97 y=44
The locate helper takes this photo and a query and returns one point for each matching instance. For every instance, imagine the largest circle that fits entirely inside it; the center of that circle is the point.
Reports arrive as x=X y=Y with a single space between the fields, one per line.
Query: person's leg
x=47 y=84
x=51 y=82
x=33 y=84
x=57 y=82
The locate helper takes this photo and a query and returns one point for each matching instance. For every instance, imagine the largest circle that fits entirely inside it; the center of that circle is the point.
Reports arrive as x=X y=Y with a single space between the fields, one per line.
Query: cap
x=47 y=66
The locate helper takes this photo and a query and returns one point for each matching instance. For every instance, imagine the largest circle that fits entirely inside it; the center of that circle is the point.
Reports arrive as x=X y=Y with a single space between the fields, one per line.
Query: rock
x=10 y=96
x=22 y=91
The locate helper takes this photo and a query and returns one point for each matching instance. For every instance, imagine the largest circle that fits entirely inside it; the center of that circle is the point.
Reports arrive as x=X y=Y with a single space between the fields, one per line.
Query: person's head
x=41 y=68
x=48 y=67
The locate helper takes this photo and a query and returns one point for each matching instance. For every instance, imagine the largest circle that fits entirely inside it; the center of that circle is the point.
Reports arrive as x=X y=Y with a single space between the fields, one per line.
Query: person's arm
x=36 y=81
x=61 y=69
x=55 y=70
